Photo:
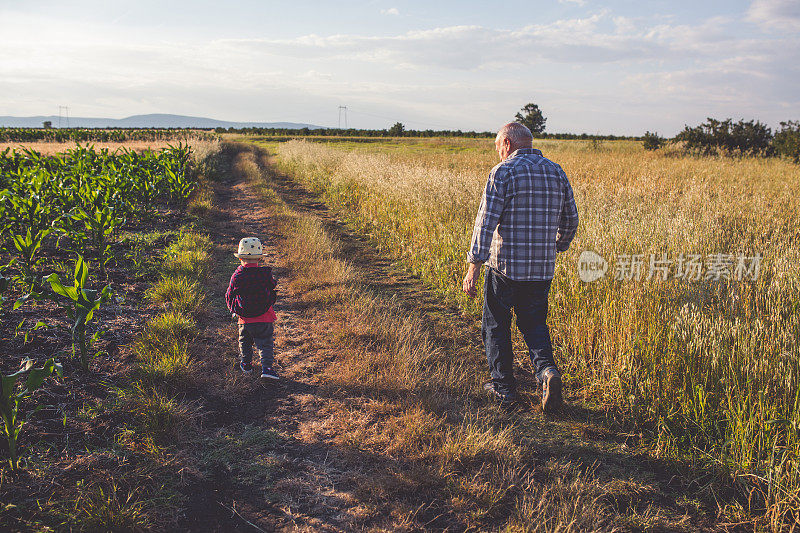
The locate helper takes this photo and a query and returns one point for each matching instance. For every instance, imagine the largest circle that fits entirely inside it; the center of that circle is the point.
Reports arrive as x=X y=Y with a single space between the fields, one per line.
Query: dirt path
x=315 y=482
x=302 y=490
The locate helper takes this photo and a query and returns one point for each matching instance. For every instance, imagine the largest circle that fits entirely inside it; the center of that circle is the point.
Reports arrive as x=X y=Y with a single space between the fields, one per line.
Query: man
x=526 y=215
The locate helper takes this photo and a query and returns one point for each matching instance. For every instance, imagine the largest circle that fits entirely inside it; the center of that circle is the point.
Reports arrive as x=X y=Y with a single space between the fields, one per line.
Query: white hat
x=250 y=248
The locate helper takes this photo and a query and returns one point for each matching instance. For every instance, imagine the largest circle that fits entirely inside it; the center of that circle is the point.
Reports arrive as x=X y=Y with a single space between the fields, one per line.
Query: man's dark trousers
x=528 y=299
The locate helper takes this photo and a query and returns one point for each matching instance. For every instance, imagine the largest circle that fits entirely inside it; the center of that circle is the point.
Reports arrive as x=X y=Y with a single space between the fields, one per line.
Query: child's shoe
x=269 y=374
x=246 y=368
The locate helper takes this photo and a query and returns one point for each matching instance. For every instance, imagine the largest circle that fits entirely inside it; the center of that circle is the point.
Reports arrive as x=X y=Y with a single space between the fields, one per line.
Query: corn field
x=40 y=190
x=83 y=135
x=706 y=365
x=80 y=201
x=76 y=202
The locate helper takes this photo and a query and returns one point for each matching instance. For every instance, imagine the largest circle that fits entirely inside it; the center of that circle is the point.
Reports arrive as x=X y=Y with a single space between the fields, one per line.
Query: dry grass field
x=682 y=393
x=705 y=368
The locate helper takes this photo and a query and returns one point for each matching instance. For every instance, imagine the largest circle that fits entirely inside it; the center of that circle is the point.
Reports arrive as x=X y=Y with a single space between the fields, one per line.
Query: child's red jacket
x=251 y=293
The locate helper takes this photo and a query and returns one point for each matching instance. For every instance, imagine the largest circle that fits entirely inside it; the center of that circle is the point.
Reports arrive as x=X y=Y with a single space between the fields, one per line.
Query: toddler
x=250 y=296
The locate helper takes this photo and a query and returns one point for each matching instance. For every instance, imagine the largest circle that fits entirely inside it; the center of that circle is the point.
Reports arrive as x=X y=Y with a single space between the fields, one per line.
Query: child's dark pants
x=260 y=334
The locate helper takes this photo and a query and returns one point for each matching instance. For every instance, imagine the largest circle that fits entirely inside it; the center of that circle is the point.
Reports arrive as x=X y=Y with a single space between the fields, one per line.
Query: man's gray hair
x=517 y=133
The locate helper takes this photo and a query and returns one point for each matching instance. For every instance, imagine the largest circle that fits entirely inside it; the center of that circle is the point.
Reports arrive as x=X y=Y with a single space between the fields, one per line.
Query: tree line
x=397 y=132
x=726 y=137
x=713 y=137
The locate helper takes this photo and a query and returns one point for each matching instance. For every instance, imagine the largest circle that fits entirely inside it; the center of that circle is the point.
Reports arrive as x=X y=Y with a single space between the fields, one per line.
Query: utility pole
x=342 y=108
x=66 y=115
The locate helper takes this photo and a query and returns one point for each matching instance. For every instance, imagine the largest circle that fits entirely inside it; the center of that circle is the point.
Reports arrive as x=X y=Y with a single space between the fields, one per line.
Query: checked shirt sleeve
x=568 y=224
x=492 y=203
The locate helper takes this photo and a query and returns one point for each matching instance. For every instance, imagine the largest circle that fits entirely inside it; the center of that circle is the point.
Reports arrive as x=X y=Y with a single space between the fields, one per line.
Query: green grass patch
x=201 y=204
x=163 y=359
x=171 y=324
x=108 y=508
x=157 y=413
x=188 y=256
x=177 y=293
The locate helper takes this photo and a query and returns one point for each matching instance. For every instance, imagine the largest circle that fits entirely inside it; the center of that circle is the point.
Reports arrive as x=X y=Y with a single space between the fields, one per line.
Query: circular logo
x=591 y=266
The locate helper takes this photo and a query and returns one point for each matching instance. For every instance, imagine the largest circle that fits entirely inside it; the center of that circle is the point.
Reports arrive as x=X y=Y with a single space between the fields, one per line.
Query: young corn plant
x=27 y=245
x=4 y=284
x=179 y=183
x=92 y=225
x=12 y=391
x=5 y=225
x=29 y=206
x=80 y=304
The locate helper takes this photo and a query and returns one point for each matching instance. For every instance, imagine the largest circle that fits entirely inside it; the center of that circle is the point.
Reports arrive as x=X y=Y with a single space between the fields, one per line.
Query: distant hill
x=146 y=121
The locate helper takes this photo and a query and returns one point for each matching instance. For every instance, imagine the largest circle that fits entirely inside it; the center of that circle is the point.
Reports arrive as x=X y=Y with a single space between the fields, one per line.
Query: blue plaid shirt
x=527 y=213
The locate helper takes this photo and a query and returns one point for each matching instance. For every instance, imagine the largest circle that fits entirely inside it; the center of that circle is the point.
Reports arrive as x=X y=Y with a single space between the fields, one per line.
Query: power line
x=66 y=113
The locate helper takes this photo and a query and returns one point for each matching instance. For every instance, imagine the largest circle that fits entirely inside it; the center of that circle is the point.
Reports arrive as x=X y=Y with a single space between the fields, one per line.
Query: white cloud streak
x=578 y=41
x=780 y=15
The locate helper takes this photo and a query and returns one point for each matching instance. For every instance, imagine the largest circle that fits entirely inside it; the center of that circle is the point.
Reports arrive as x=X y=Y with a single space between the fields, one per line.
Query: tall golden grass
x=708 y=368
x=410 y=401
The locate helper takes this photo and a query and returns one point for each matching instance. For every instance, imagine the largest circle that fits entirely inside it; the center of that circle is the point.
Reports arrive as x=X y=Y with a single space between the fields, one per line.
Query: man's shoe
x=269 y=374
x=551 y=392
x=246 y=368
x=505 y=398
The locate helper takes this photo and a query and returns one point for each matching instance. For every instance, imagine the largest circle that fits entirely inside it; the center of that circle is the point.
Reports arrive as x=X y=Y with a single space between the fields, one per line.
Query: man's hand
x=471 y=280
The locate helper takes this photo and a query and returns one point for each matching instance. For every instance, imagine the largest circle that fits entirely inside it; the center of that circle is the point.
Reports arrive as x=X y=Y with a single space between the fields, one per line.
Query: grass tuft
x=188 y=256
x=158 y=414
x=171 y=324
x=177 y=293
x=109 y=509
x=163 y=359
x=476 y=441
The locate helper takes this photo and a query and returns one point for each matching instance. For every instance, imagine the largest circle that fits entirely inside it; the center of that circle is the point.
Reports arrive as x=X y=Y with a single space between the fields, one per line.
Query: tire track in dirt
x=307 y=474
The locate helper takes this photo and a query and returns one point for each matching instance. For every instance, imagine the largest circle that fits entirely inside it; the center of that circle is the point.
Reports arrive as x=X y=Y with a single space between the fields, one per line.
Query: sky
x=611 y=67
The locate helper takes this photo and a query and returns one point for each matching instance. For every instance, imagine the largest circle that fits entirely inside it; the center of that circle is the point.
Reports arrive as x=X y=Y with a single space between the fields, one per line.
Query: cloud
x=391 y=11
x=315 y=75
x=579 y=2
x=595 y=72
x=706 y=69
x=781 y=15
x=595 y=39
x=763 y=85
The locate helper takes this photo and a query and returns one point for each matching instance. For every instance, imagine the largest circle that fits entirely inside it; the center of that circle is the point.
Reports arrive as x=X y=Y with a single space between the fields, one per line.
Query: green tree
x=728 y=137
x=397 y=130
x=652 y=141
x=787 y=141
x=531 y=117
